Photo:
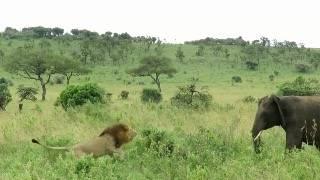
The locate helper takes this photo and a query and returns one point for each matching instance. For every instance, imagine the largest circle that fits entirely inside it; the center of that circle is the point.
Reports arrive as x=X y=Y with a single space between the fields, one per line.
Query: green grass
x=213 y=144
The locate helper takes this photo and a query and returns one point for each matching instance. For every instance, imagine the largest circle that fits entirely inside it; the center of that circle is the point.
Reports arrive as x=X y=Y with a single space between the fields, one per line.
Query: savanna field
x=172 y=142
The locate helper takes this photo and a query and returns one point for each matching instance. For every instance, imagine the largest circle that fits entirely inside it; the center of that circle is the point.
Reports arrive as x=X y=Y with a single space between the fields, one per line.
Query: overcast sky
x=174 y=20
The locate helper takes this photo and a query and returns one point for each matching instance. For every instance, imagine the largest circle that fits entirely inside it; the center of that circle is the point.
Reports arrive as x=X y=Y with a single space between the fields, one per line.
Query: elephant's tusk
x=257 y=136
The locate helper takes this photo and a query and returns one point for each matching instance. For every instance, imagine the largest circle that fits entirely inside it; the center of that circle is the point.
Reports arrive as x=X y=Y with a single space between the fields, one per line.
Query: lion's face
x=126 y=135
x=121 y=133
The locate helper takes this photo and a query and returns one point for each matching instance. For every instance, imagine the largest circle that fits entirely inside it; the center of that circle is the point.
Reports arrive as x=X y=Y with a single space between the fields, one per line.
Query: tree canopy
x=154 y=66
x=69 y=67
x=36 y=64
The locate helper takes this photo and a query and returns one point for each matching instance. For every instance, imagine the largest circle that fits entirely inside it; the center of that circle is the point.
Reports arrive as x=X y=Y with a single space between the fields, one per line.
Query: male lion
x=107 y=143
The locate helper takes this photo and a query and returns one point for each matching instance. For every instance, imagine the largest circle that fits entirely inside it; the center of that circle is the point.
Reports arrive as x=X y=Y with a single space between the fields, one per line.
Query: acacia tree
x=1 y=56
x=85 y=51
x=180 y=54
x=148 y=42
x=26 y=93
x=254 y=51
x=57 y=31
x=75 y=32
x=200 y=51
x=154 y=66
x=107 y=42
x=5 y=96
x=69 y=67
x=33 y=64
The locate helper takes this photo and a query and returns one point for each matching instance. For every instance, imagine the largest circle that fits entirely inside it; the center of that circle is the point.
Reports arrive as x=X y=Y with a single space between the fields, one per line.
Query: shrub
x=276 y=73
x=251 y=65
x=236 y=79
x=116 y=72
x=59 y=79
x=8 y=82
x=158 y=141
x=109 y=96
x=300 y=87
x=271 y=77
x=124 y=94
x=141 y=83
x=170 y=76
x=78 y=95
x=5 y=96
x=200 y=50
x=26 y=93
x=188 y=96
x=303 y=68
x=83 y=166
x=151 y=95
x=249 y=99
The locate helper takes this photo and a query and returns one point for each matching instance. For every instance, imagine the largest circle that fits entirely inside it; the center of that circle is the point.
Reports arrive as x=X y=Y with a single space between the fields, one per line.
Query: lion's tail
x=49 y=147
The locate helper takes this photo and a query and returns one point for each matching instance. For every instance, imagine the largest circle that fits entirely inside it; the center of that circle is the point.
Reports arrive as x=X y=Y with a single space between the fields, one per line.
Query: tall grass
x=211 y=144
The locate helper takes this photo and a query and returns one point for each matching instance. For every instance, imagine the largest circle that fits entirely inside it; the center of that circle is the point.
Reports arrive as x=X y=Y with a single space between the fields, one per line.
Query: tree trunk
x=20 y=107
x=68 y=78
x=158 y=82
x=44 y=91
x=68 y=81
x=43 y=86
x=84 y=59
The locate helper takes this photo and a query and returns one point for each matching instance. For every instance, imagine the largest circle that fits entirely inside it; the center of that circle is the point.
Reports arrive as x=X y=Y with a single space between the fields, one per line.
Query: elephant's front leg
x=293 y=139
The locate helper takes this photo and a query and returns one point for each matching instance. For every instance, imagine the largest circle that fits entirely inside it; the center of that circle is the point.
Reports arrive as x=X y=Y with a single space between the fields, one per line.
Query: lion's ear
x=104 y=132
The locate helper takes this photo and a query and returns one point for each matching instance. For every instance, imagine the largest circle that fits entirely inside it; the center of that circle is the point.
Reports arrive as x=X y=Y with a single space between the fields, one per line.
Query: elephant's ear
x=262 y=100
x=276 y=99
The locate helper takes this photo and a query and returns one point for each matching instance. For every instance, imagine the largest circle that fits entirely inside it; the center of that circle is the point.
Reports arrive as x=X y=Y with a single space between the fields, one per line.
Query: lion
x=109 y=142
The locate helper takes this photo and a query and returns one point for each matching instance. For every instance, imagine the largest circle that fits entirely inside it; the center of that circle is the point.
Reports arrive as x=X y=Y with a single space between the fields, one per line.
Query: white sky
x=174 y=20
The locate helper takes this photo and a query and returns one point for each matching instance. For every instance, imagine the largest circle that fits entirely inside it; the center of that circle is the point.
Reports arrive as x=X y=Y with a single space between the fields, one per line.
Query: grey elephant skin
x=299 y=116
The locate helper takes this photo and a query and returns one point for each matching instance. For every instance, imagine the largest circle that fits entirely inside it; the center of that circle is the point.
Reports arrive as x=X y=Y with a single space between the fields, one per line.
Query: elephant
x=299 y=117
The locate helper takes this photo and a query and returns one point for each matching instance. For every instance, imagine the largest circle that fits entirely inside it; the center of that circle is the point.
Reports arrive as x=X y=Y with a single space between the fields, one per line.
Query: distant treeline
x=215 y=41
x=241 y=42
x=44 y=32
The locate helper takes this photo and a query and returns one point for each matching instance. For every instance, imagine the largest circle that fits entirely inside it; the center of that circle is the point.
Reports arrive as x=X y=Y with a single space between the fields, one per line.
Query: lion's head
x=121 y=133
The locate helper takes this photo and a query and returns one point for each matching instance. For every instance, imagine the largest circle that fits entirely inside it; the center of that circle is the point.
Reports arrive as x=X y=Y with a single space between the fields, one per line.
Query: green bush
x=59 y=79
x=141 y=83
x=151 y=95
x=249 y=99
x=5 y=96
x=200 y=51
x=83 y=166
x=271 y=77
x=8 y=82
x=251 y=65
x=236 y=79
x=303 y=68
x=124 y=94
x=300 y=87
x=188 y=96
x=158 y=141
x=74 y=96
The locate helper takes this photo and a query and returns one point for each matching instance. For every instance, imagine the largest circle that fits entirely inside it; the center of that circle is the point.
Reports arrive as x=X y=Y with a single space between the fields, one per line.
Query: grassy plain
x=212 y=144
